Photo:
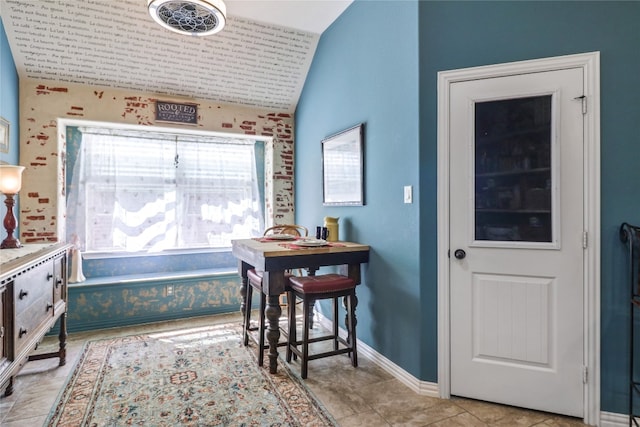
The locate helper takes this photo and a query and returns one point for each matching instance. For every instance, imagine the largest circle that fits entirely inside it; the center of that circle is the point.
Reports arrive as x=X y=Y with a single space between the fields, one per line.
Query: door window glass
x=513 y=170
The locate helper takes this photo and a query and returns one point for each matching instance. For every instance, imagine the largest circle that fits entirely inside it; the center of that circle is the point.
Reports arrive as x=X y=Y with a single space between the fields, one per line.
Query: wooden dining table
x=274 y=257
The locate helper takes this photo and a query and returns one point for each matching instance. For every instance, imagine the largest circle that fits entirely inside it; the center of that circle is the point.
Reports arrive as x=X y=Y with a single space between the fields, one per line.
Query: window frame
x=261 y=144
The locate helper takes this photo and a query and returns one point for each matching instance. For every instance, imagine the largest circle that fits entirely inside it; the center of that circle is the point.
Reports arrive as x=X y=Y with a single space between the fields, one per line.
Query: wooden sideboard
x=33 y=296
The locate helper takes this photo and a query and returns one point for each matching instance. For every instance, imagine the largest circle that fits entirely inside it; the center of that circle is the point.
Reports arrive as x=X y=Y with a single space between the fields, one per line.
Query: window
x=150 y=191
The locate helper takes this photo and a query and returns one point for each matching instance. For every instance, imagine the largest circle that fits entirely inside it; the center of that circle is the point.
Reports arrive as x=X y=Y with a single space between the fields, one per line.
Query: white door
x=516 y=239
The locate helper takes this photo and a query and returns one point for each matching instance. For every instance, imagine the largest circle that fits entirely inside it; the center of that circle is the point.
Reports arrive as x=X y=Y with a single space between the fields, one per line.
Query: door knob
x=459 y=254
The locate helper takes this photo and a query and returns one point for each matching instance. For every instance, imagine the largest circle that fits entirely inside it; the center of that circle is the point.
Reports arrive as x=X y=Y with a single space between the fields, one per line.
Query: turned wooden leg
x=243 y=296
x=245 y=300
x=351 y=321
x=62 y=337
x=9 y=390
x=261 y=329
x=272 y=313
x=350 y=308
x=246 y=293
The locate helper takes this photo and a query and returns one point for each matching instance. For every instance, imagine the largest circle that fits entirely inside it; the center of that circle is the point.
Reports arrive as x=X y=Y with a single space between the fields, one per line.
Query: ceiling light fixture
x=189 y=17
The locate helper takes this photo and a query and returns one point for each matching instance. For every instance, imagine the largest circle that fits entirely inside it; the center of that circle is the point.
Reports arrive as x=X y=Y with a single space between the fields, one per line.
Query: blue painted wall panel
x=9 y=97
x=365 y=70
x=9 y=110
x=464 y=34
x=107 y=306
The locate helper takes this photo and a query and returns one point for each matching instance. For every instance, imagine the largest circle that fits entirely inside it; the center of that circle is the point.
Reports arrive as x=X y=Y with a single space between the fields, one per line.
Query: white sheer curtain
x=143 y=191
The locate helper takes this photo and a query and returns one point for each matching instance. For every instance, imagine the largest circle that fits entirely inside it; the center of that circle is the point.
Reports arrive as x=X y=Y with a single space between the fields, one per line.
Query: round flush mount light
x=189 y=17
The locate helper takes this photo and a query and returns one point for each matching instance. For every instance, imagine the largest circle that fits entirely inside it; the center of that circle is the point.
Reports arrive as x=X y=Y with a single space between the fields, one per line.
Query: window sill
x=131 y=279
x=171 y=252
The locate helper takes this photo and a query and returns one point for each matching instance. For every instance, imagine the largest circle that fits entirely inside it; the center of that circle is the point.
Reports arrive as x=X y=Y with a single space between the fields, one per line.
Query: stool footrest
x=347 y=347
x=324 y=354
x=330 y=353
x=325 y=338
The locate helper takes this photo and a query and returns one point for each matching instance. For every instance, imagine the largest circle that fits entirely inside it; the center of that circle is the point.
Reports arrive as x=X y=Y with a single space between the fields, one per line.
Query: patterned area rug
x=196 y=377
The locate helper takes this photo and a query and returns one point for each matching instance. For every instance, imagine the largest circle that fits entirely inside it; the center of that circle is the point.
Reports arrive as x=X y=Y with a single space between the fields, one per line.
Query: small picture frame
x=343 y=168
x=4 y=135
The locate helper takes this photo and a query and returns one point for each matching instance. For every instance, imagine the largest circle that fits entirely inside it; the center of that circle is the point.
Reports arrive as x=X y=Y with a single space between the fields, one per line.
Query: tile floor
x=371 y=397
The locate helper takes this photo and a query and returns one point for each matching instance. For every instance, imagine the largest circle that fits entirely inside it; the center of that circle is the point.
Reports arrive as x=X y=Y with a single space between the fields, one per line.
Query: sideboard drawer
x=33 y=296
x=29 y=321
x=33 y=285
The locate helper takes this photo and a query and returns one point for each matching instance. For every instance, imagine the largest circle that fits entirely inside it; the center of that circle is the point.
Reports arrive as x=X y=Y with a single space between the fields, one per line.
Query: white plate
x=281 y=237
x=311 y=242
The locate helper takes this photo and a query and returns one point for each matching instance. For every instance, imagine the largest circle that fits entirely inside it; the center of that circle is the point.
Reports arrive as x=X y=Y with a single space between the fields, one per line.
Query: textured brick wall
x=42 y=147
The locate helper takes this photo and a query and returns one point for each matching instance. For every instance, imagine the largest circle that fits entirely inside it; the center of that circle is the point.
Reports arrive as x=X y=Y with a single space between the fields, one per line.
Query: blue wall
x=364 y=71
x=9 y=110
x=9 y=97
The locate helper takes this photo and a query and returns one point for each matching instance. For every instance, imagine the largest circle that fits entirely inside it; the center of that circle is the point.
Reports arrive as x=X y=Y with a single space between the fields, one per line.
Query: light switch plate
x=408 y=194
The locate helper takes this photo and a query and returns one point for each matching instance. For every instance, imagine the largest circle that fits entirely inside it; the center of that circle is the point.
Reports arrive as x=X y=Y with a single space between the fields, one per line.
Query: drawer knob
x=58 y=282
x=22 y=332
x=49 y=276
x=49 y=306
x=23 y=294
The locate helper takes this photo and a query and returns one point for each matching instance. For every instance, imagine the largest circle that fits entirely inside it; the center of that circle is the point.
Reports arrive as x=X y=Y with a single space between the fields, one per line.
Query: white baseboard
x=612 y=419
x=426 y=388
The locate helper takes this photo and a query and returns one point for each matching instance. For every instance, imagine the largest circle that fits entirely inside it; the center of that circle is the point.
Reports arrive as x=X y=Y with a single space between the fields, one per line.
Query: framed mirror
x=343 y=168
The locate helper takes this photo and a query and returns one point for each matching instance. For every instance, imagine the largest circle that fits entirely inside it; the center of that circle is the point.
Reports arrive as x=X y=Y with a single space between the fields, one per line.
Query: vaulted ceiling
x=260 y=59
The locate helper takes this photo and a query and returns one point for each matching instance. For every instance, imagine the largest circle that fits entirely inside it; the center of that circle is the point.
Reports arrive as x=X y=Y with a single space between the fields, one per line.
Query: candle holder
x=10 y=184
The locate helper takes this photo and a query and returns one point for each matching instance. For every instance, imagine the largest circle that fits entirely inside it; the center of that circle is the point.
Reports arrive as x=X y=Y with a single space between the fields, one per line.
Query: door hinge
x=585 y=375
x=583 y=99
x=585 y=239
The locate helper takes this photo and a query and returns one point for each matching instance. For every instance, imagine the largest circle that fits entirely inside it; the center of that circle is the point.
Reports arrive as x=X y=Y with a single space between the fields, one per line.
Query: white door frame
x=590 y=63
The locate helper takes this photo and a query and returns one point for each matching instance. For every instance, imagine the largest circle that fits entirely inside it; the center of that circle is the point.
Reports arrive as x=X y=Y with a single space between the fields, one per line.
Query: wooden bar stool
x=311 y=289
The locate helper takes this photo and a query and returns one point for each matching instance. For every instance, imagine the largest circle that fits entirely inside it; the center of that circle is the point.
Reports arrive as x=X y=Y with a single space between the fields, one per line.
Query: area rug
x=197 y=377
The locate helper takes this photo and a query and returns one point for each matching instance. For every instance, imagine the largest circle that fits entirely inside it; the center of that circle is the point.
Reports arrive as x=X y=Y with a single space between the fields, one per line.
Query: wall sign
x=176 y=112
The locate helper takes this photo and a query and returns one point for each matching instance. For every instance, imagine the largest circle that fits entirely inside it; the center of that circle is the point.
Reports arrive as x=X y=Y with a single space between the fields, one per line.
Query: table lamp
x=10 y=183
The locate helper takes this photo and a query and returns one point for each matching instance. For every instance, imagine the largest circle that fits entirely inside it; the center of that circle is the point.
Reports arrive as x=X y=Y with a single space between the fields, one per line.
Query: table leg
x=245 y=306
x=272 y=313
x=352 y=271
x=243 y=309
x=311 y=271
x=243 y=295
x=350 y=307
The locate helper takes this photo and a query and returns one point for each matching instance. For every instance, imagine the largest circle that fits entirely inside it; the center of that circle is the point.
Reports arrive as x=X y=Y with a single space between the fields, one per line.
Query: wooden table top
x=275 y=248
x=268 y=255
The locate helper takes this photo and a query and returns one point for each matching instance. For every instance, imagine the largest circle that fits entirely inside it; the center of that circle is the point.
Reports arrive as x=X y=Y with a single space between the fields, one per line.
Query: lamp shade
x=10 y=179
